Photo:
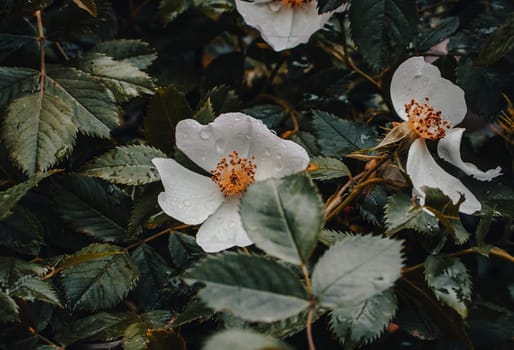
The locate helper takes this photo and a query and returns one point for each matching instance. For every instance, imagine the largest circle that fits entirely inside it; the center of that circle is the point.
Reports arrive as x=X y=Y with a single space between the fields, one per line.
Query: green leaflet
x=450 y=281
x=38 y=130
x=283 y=217
x=356 y=268
x=99 y=282
x=363 y=322
x=251 y=287
x=127 y=165
x=382 y=29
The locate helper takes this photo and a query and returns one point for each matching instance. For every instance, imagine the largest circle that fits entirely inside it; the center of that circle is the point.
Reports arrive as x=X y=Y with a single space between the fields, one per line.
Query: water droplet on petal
x=273 y=132
x=186 y=203
x=220 y=147
x=237 y=119
x=267 y=152
x=204 y=134
x=278 y=156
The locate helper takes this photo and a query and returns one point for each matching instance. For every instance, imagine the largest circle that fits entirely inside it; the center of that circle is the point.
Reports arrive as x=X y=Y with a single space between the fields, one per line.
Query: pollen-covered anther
x=294 y=3
x=425 y=121
x=234 y=174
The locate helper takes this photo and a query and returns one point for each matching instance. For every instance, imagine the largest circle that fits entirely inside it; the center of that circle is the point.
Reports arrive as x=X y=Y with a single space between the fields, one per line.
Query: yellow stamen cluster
x=425 y=121
x=235 y=174
x=294 y=3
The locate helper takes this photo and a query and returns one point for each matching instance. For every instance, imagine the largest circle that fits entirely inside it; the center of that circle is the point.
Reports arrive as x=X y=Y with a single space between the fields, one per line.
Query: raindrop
x=204 y=135
x=220 y=147
x=186 y=203
x=237 y=119
x=267 y=152
x=278 y=156
x=273 y=132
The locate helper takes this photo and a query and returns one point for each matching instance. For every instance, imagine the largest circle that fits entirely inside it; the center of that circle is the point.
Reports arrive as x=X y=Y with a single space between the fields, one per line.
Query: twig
x=44 y=339
x=41 y=38
x=289 y=109
x=157 y=235
x=308 y=328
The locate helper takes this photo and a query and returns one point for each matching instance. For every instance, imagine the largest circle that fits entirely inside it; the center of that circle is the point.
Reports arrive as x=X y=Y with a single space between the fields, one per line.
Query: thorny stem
x=41 y=38
x=157 y=235
x=494 y=251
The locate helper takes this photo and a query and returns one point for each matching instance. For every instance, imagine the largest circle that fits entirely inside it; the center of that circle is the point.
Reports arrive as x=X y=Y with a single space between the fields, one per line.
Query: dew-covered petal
x=424 y=171
x=281 y=26
x=223 y=229
x=207 y=144
x=448 y=148
x=417 y=79
x=188 y=197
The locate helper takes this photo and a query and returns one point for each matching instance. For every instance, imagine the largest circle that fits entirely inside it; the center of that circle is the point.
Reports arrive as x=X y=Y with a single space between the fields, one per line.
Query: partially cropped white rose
x=284 y=24
x=432 y=106
x=236 y=150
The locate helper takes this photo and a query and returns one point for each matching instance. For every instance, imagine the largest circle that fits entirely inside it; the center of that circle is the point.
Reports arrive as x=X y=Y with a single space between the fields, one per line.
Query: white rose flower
x=236 y=150
x=432 y=106
x=284 y=24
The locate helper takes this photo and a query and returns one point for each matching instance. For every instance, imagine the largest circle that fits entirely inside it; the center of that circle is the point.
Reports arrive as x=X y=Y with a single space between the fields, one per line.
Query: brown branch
x=41 y=38
x=157 y=235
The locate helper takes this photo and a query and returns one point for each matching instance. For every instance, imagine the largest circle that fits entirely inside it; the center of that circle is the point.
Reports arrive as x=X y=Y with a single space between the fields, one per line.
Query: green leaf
x=166 y=108
x=402 y=214
x=371 y=205
x=38 y=130
x=482 y=86
x=93 y=105
x=141 y=336
x=446 y=212
x=500 y=43
x=15 y=81
x=10 y=197
x=8 y=309
x=122 y=78
x=362 y=323
x=170 y=9
x=450 y=282
x=98 y=283
x=329 y=237
x=145 y=209
x=329 y=5
x=13 y=270
x=87 y=5
x=238 y=339
x=338 y=137
x=283 y=217
x=92 y=207
x=91 y=326
x=135 y=52
x=271 y=115
x=127 y=165
x=183 y=249
x=324 y=169
x=22 y=232
x=205 y=114
x=251 y=287
x=382 y=29
x=223 y=100
x=356 y=268
x=195 y=310
x=154 y=283
x=33 y=288
x=431 y=36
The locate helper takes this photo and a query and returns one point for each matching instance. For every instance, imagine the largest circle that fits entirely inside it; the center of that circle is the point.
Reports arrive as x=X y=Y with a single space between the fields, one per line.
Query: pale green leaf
x=127 y=165
x=33 y=288
x=8 y=309
x=93 y=207
x=13 y=270
x=338 y=137
x=183 y=249
x=450 y=281
x=136 y=337
x=38 y=130
x=283 y=217
x=205 y=114
x=170 y=9
x=10 y=197
x=87 y=5
x=99 y=283
x=324 y=169
x=402 y=214
x=238 y=339
x=145 y=209
x=93 y=105
x=382 y=29
x=166 y=108
x=16 y=81
x=363 y=322
x=135 y=52
x=122 y=78
x=251 y=287
x=356 y=268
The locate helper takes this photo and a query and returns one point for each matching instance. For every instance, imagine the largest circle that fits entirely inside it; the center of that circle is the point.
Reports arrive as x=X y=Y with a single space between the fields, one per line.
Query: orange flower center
x=234 y=174
x=294 y=3
x=425 y=121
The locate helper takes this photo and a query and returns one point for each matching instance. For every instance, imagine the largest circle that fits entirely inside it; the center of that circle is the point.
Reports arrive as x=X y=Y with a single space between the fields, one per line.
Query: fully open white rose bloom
x=236 y=150
x=432 y=106
x=284 y=24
